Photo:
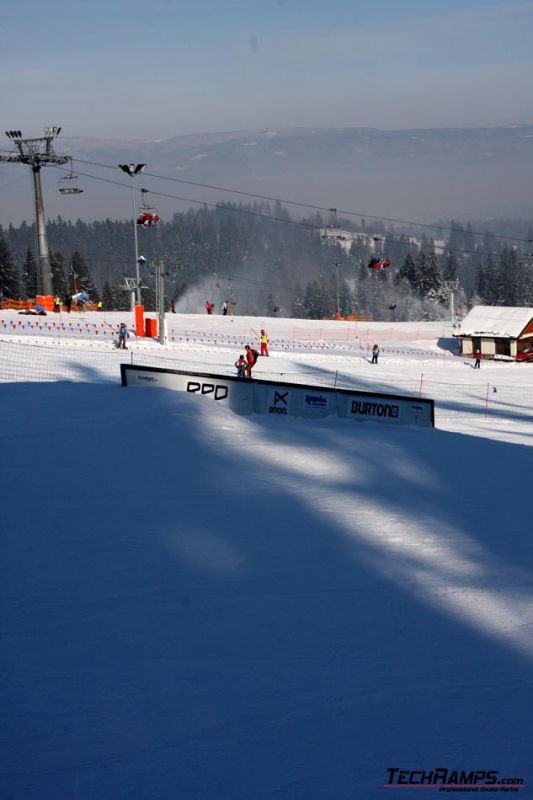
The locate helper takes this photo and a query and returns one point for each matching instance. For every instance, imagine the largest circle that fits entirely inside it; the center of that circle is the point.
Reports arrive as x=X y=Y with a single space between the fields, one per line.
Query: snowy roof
x=503 y=321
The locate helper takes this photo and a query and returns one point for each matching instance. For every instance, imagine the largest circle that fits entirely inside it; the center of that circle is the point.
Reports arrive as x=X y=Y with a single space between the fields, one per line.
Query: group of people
x=247 y=360
x=210 y=307
x=79 y=298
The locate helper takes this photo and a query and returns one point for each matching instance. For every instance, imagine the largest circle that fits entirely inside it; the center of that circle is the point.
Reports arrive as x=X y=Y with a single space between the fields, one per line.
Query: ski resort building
x=500 y=332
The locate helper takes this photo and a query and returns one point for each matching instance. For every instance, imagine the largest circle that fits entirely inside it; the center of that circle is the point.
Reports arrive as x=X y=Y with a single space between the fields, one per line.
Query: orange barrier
x=16 y=305
x=150 y=327
x=139 y=320
x=351 y=318
x=46 y=301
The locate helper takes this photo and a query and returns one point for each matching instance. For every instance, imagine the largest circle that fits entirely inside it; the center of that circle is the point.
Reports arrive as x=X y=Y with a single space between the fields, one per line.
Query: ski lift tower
x=132 y=170
x=449 y=288
x=38 y=153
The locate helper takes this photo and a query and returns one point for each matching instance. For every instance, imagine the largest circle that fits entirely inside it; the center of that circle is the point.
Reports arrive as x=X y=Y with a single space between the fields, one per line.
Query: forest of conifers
x=269 y=263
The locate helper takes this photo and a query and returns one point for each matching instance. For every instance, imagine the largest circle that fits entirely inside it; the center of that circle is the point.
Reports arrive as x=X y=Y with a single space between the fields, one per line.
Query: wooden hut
x=499 y=332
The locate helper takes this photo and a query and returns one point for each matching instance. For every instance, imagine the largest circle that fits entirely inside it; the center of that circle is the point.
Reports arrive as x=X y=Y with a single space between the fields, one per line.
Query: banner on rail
x=282 y=400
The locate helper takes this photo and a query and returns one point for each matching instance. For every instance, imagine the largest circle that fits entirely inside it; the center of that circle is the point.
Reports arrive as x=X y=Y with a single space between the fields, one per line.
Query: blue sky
x=171 y=67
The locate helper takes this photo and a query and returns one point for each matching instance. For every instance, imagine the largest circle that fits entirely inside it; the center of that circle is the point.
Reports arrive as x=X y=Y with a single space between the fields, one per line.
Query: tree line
x=268 y=263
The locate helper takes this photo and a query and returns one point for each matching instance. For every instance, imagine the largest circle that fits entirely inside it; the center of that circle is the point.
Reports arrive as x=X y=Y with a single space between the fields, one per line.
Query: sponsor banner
x=282 y=401
x=375 y=408
x=278 y=402
x=318 y=400
x=386 y=408
x=237 y=395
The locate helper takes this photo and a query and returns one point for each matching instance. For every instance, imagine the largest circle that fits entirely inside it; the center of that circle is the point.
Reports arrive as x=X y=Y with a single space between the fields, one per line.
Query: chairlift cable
x=301 y=204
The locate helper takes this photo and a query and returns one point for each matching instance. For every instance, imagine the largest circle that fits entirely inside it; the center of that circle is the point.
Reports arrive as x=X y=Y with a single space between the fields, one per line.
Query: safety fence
x=30 y=361
x=299 y=340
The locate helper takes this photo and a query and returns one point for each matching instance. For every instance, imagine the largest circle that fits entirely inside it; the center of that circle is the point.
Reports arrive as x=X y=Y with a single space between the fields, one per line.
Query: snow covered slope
x=197 y=605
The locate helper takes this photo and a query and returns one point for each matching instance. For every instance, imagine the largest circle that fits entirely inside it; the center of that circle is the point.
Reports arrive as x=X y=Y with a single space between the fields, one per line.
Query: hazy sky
x=156 y=69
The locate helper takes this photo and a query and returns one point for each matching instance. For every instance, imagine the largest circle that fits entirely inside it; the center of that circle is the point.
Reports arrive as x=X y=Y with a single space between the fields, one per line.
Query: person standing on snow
x=122 y=336
x=241 y=365
x=477 y=356
x=375 y=354
x=251 y=360
x=264 y=343
x=209 y=307
x=224 y=308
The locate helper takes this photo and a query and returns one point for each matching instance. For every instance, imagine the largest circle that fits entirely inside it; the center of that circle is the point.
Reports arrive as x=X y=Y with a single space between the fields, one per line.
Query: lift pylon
x=37 y=153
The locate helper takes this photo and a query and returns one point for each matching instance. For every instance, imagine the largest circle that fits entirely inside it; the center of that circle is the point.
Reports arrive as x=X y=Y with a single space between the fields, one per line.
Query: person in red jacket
x=251 y=358
x=241 y=365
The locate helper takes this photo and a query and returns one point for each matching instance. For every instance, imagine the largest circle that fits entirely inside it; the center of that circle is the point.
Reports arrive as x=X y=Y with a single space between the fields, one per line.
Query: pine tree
x=407 y=274
x=272 y=307
x=315 y=301
x=511 y=278
x=428 y=276
x=298 y=310
x=451 y=268
x=83 y=280
x=490 y=287
x=527 y=282
x=59 y=282
x=110 y=299
x=9 y=274
x=29 y=276
x=148 y=298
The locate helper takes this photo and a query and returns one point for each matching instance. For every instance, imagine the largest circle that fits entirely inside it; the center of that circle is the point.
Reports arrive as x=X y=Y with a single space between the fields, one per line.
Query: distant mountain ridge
x=424 y=174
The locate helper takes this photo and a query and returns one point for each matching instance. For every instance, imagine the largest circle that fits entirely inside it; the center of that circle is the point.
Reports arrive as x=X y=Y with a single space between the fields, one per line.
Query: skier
x=122 y=336
x=251 y=359
x=477 y=356
x=240 y=364
x=264 y=343
x=209 y=307
x=375 y=354
x=57 y=304
x=224 y=308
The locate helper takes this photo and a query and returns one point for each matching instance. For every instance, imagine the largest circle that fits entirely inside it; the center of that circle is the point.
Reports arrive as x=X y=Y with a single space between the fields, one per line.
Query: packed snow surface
x=200 y=605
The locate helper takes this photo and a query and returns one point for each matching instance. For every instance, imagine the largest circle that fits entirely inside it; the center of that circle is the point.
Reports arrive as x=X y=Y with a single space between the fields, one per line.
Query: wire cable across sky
x=298 y=203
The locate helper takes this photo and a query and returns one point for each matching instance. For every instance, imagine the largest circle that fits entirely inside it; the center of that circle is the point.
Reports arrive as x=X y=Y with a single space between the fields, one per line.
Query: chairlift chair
x=68 y=184
x=379 y=263
x=148 y=215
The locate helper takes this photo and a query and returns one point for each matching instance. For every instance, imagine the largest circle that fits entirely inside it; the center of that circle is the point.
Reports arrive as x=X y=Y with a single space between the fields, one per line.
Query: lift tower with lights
x=38 y=153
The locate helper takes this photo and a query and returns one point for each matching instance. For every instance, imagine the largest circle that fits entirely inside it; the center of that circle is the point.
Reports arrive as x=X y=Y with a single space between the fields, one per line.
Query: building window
x=503 y=347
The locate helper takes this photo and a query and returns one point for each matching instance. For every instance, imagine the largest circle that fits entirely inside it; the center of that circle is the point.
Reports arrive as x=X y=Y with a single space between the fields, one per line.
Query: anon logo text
x=281 y=399
x=219 y=391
